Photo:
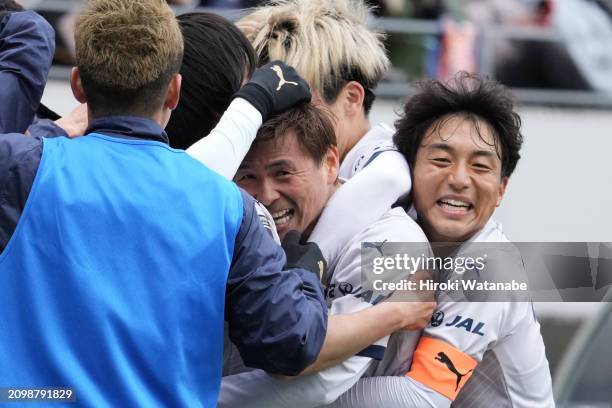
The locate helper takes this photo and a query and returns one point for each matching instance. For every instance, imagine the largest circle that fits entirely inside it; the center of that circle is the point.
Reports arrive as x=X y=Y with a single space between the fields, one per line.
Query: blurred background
x=556 y=56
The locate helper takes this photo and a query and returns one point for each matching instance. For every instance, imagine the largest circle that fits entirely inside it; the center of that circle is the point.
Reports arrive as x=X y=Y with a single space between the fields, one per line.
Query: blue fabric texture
x=113 y=282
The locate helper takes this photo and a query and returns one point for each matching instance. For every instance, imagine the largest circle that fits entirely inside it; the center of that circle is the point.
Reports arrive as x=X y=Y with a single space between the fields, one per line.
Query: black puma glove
x=303 y=255
x=274 y=88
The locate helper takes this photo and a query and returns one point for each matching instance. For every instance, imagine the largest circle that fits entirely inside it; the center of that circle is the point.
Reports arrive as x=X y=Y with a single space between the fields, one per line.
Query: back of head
x=326 y=41
x=127 y=51
x=217 y=59
x=311 y=124
x=476 y=98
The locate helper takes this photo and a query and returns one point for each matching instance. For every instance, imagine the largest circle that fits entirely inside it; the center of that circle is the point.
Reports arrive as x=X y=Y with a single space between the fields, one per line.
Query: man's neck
x=354 y=135
x=308 y=231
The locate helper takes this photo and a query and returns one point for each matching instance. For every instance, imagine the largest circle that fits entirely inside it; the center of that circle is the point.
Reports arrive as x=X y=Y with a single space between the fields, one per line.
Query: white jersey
x=513 y=370
x=228 y=143
x=344 y=295
x=377 y=140
x=503 y=338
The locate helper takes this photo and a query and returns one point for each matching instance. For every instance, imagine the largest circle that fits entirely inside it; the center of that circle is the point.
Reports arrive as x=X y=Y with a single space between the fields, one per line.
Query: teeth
x=282 y=217
x=279 y=214
x=454 y=208
x=455 y=203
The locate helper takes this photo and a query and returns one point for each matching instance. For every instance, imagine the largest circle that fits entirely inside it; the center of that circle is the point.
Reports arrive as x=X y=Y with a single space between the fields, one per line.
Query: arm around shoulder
x=277 y=318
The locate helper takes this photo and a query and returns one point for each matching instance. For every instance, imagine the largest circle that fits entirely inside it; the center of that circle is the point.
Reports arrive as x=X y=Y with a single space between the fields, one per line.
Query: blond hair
x=127 y=45
x=326 y=41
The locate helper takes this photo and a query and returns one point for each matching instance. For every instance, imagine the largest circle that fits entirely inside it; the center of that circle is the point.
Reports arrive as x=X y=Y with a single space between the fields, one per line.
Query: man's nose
x=459 y=177
x=267 y=193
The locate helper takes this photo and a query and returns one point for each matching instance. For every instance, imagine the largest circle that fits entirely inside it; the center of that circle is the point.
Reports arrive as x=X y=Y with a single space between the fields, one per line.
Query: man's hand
x=414 y=307
x=303 y=255
x=273 y=88
x=414 y=315
x=76 y=122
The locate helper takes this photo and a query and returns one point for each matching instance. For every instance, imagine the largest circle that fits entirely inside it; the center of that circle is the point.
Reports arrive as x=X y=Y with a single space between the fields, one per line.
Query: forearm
x=389 y=392
x=277 y=318
x=348 y=334
x=225 y=147
x=257 y=389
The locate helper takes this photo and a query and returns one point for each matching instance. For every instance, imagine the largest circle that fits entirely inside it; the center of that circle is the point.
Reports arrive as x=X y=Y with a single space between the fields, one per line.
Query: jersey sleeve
x=277 y=318
x=455 y=342
x=19 y=160
x=376 y=187
x=519 y=360
x=228 y=143
x=27 y=45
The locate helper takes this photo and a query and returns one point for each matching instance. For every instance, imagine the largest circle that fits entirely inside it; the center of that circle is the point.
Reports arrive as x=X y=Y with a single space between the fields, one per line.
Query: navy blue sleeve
x=19 y=159
x=277 y=318
x=27 y=45
x=45 y=128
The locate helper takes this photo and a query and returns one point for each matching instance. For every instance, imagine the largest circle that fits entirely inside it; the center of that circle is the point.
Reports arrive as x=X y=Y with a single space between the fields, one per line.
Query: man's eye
x=483 y=167
x=244 y=177
x=282 y=173
x=440 y=160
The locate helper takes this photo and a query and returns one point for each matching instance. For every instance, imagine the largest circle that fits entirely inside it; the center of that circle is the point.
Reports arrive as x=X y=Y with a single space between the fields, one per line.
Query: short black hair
x=8 y=6
x=469 y=95
x=332 y=87
x=216 y=60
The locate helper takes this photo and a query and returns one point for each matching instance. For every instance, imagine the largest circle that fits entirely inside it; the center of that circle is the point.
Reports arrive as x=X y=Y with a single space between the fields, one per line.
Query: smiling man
x=292 y=168
x=460 y=180
x=462 y=141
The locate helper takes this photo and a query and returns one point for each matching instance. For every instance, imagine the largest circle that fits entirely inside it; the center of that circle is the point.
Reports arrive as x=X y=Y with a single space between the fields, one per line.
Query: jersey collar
x=128 y=127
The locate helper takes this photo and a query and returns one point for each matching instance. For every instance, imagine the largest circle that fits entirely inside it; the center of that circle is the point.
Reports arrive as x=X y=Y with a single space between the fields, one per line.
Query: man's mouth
x=454 y=206
x=282 y=217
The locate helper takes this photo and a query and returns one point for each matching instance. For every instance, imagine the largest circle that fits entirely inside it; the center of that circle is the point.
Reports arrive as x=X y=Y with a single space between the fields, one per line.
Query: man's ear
x=173 y=94
x=353 y=94
x=502 y=190
x=77 y=85
x=332 y=162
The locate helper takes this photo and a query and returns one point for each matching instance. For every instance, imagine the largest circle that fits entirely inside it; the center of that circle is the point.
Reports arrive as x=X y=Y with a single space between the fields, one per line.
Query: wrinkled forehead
x=467 y=131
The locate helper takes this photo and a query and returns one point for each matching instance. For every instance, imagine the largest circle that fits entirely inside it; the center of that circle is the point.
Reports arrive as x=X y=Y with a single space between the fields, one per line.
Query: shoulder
x=391 y=231
x=26 y=21
x=396 y=226
x=378 y=139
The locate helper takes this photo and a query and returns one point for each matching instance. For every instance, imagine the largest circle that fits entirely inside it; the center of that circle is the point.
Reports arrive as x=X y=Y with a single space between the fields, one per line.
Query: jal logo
x=437 y=318
x=467 y=324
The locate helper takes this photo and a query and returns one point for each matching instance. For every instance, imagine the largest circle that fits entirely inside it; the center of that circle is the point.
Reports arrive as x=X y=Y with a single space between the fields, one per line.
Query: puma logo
x=321 y=269
x=281 y=77
x=376 y=245
x=444 y=359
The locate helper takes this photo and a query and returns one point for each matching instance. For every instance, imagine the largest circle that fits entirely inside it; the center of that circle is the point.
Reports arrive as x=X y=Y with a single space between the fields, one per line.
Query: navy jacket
x=27 y=44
